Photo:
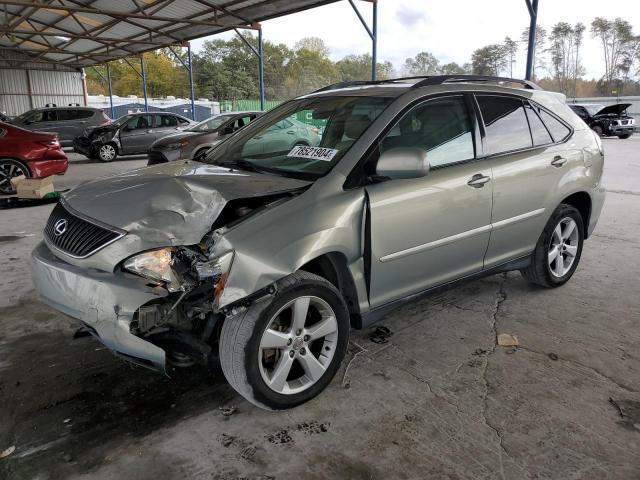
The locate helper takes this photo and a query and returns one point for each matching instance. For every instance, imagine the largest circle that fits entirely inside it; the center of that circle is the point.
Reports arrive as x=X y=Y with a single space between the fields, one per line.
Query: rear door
x=528 y=159
x=165 y=124
x=431 y=230
x=67 y=125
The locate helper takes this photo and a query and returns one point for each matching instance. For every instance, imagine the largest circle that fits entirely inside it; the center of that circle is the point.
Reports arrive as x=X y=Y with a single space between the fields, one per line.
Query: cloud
x=409 y=16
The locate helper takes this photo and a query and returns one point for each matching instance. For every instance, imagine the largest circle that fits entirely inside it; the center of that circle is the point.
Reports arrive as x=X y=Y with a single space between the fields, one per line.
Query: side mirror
x=403 y=163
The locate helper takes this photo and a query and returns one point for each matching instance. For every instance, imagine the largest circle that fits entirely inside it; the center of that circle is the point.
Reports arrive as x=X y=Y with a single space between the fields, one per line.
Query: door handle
x=558 y=161
x=478 y=180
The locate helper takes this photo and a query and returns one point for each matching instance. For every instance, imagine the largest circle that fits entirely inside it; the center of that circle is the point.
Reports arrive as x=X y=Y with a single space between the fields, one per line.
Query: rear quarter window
x=505 y=124
x=559 y=131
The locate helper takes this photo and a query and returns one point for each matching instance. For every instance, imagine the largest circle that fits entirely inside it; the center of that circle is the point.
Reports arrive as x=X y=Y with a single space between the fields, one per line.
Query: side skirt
x=369 y=318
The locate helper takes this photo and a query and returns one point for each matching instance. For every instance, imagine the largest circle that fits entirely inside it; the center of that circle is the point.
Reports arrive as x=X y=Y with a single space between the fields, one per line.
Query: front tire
x=283 y=353
x=107 y=152
x=624 y=136
x=558 y=250
x=598 y=130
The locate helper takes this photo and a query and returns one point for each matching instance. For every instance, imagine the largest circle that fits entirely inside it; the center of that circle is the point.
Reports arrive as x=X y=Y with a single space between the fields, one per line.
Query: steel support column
x=372 y=32
x=110 y=90
x=261 y=68
x=532 y=6
x=260 y=54
x=188 y=67
x=144 y=84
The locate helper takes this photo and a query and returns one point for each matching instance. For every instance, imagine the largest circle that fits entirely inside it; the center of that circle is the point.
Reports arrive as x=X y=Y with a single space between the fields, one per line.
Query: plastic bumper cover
x=105 y=302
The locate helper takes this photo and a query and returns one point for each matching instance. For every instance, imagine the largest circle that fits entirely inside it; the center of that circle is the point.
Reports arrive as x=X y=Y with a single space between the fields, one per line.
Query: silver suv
x=263 y=258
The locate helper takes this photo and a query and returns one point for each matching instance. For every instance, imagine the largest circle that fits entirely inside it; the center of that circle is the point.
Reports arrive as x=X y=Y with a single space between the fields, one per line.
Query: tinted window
x=505 y=124
x=140 y=122
x=538 y=130
x=441 y=126
x=167 y=121
x=69 y=114
x=559 y=131
x=43 y=116
x=80 y=114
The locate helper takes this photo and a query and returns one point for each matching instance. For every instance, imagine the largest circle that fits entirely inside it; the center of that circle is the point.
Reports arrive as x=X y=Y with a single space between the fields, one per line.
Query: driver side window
x=140 y=122
x=442 y=127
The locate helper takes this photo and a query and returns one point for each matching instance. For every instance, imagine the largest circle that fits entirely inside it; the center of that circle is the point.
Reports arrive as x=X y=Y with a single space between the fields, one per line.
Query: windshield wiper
x=242 y=164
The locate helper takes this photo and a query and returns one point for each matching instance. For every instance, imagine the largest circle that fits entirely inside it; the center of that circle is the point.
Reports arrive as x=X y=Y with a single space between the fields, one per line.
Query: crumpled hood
x=617 y=109
x=94 y=132
x=174 y=203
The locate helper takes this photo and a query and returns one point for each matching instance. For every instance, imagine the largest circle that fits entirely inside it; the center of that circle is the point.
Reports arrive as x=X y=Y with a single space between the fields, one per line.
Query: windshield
x=122 y=120
x=302 y=138
x=593 y=108
x=210 y=123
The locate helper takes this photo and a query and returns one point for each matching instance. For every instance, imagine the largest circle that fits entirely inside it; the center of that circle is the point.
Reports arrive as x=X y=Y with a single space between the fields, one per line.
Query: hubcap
x=7 y=172
x=563 y=247
x=298 y=345
x=107 y=152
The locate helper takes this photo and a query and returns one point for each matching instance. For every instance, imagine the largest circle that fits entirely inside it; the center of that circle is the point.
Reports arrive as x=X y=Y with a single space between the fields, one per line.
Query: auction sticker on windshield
x=313 y=153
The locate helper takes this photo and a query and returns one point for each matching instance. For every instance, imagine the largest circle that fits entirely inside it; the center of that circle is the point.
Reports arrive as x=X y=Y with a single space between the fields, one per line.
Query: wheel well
x=333 y=268
x=581 y=201
x=25 y=165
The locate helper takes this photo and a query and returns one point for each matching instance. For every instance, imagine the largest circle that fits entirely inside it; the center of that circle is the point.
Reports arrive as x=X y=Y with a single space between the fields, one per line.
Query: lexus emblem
x=60 y=227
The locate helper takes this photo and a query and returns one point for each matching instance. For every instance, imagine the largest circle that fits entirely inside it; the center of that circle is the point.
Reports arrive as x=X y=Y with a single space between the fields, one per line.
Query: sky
x=451 y=30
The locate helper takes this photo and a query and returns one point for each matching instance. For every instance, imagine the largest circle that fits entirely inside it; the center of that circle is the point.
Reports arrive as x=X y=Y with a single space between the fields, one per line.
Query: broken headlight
x=155 y=265
x=216 y=269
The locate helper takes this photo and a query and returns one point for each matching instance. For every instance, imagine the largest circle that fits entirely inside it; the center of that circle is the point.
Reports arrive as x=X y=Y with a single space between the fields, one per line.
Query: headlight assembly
x=155 y=265
x=216 y=269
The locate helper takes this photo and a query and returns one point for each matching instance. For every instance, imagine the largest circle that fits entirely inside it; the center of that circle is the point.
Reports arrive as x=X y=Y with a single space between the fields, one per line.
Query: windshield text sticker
x=313 y=153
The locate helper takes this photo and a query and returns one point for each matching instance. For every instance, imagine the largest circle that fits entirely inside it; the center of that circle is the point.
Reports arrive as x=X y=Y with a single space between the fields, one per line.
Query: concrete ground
x=438 y=400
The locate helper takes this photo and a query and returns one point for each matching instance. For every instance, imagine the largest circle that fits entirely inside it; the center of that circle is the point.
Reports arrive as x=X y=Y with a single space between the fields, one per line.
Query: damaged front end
x=183 y=323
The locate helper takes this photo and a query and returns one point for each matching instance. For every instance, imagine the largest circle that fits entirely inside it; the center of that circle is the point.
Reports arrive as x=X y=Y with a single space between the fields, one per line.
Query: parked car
x=283 y=135
x=32 y=154
x=266 y=255
x=129 y=135
x=67 y=122
x=606 y=121
x=194 y=142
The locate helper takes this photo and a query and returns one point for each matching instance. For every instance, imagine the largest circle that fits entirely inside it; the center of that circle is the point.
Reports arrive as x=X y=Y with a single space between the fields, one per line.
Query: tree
x=489 y=60
x=511 y=49
x=617 y=40
x=423 y=63
x=313 y=44
x=538 y=47
x=578 y=32
x=358 y=67
x=453 y=68
x=561 y=50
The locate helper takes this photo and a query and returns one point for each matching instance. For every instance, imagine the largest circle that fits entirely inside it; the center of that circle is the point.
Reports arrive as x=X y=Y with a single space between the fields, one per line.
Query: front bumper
x=163 y=156
x=105 y=302
x=621 y=129
x=84 y=146
x=45 y=168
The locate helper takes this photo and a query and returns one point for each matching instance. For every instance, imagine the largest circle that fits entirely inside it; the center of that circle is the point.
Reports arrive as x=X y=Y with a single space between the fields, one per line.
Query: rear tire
x=275 y=355
x=625 y=136
x=598 y=130
x=107 y=152
x=10 y=168
x=558 y=250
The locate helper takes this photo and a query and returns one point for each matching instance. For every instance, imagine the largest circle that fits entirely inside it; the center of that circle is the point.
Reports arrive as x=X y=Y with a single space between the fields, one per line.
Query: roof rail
x=440 y=79
x=359 y=83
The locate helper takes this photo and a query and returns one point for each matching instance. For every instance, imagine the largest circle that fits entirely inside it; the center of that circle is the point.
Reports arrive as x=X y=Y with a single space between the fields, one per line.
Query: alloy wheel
x=107 y=152
x=298 y=345
x=563 y=247
x=9 y=170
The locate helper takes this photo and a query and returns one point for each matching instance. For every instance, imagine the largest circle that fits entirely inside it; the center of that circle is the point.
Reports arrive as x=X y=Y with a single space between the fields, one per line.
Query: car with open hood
x=608 y=121
x=262 y=257
x=128 y=135
x=194 y=142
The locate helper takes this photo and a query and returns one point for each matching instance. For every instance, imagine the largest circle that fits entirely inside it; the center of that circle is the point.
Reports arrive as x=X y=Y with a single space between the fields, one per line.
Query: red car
x=32 y=154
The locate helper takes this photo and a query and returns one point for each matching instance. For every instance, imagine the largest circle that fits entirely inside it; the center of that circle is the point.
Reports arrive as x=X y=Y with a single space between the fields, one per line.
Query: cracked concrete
x=439 y=400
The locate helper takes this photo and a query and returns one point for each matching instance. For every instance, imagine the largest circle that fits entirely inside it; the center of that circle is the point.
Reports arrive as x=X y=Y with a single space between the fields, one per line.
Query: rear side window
x=67 y=114
x=80 y=114
x=539 y=132
x=167 y=121
x=43 y=116
x=440 y=126
x=182 y=121
x=559 y=131
x=505 y=123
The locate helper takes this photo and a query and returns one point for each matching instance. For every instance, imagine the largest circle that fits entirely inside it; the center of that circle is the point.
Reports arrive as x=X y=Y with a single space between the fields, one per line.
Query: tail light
x=53 y=143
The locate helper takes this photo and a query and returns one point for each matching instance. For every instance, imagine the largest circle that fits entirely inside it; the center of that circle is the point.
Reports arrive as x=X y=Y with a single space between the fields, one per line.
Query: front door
x=431 y=230
x=137 y=134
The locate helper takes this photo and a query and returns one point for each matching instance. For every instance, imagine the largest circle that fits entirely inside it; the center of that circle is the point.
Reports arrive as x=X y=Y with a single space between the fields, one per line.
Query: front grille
x=76 y=236
x=625 y=122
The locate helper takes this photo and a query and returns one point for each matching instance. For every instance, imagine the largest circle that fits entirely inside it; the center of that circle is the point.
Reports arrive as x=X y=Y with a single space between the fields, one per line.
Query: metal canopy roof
x=81 y=33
